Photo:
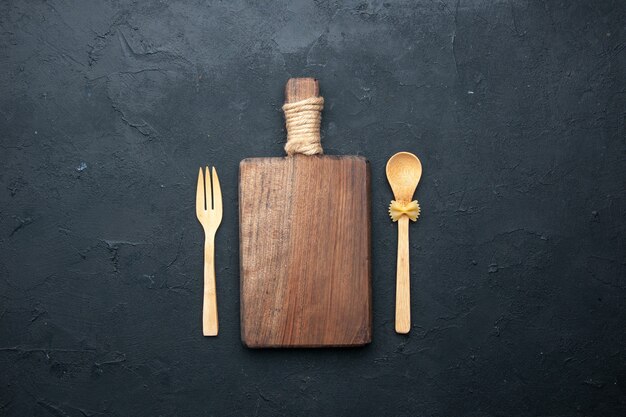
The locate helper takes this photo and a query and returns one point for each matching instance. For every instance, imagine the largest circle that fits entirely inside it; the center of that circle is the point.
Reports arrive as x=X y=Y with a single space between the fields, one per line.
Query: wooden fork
x=210 y=216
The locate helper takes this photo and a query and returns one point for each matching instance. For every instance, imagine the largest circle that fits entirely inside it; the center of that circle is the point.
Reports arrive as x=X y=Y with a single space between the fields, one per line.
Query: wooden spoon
x=404 y=171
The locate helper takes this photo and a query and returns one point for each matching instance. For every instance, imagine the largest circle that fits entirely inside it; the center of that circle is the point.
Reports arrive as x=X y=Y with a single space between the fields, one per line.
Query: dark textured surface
x=516 y=109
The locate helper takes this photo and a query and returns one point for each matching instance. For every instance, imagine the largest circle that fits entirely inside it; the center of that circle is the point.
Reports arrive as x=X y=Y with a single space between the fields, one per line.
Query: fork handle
x=209 y=307
x=403 y=284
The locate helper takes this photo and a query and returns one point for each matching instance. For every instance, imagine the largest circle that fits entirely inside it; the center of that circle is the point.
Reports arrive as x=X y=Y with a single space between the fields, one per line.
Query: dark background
x=517 y=110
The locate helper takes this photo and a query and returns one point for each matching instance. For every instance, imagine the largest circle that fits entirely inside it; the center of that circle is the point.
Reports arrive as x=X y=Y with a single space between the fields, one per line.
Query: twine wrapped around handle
x=303 y=119
x=303 y=116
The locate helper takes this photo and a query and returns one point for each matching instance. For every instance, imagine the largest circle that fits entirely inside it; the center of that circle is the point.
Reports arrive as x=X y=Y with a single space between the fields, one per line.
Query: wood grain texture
x=403 y=279
x=298 y=89
x=305 y=251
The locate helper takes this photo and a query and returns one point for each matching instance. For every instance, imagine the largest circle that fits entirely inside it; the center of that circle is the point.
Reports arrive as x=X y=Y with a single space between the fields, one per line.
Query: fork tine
x=217 y=193
x=207 y=179
x=200 y=194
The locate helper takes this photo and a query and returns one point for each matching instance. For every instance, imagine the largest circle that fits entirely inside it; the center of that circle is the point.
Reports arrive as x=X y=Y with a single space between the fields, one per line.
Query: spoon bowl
x=404 y=171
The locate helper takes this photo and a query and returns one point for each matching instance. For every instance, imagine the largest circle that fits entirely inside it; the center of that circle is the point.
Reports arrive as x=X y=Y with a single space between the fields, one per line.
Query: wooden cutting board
x=305 y=247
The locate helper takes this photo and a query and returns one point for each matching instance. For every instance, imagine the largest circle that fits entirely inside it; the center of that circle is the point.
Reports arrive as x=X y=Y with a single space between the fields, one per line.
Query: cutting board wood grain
x=305 y=247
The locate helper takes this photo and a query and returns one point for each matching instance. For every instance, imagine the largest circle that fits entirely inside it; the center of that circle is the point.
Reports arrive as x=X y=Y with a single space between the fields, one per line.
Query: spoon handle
x=403 y=292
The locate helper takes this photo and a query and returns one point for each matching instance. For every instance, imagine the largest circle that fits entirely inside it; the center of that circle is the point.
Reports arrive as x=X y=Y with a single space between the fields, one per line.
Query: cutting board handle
x=303 y=116
x=298 y=89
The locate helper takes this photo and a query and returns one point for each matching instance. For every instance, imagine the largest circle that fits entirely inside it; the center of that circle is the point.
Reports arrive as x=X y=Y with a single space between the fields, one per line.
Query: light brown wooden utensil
x=209 y=212
x=404 y=171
